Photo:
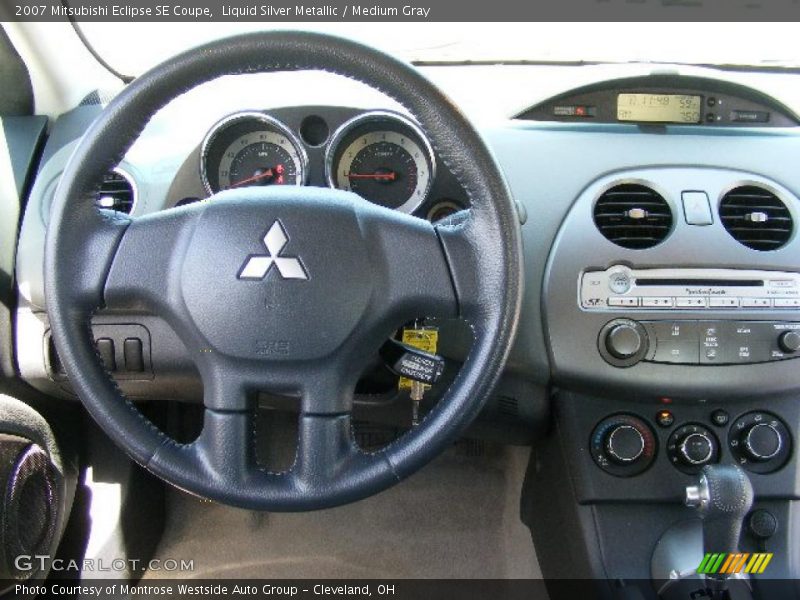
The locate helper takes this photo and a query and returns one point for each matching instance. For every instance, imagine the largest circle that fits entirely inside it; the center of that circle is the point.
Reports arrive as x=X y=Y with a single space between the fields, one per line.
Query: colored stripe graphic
x=765 y=563
x=717 y=563
x=753 y=560
x=730 y=564
x=737 y=568
x=703 y=563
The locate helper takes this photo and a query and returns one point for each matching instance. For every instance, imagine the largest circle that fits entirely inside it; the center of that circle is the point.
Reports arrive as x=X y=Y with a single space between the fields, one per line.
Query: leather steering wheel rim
x=467 y=267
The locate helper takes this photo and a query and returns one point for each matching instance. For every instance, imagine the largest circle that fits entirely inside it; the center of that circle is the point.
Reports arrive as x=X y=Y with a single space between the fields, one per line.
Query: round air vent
x=116 y=193
x=756 y=217
x=633 y=216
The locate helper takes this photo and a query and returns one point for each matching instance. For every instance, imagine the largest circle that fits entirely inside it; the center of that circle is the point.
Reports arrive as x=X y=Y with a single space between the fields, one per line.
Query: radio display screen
x=659 y=108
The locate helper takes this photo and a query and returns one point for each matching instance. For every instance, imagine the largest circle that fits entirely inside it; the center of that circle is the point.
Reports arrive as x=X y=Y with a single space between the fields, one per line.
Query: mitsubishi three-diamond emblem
x=258 y=265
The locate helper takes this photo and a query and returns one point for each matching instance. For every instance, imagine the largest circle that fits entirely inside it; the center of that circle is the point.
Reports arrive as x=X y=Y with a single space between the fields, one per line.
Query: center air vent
x=116 y=193
x=756 y=218
x=633 y=216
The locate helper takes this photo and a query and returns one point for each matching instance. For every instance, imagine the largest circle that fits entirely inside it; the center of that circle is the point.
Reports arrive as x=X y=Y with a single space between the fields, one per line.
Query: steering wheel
x=353 y=272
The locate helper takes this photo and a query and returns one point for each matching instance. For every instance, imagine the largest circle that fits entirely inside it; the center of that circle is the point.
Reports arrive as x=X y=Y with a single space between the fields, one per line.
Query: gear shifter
x=723 y=497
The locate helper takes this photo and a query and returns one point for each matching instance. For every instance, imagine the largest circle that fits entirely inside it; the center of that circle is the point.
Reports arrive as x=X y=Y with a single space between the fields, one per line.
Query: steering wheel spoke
x=226 y=445
x=86 y=258
x=461 y=245
x=412 y=275
x=145 y=269
x=325 y=449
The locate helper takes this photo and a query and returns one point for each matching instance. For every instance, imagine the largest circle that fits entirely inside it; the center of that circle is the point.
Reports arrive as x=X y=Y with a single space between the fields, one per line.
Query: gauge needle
x=264 y=175
x=390 y=176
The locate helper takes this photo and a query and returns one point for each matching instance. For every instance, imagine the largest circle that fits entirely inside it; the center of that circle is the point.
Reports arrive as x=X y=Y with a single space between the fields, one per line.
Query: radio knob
x=624 y=341
x=624 y=444
x=789 y=341
x=696 y=449
x=762 y=441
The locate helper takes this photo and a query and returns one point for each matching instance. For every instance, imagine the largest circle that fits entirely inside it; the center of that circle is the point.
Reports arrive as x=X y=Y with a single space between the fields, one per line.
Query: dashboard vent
x=116 y=193
x=756 y=218
x=633 y=216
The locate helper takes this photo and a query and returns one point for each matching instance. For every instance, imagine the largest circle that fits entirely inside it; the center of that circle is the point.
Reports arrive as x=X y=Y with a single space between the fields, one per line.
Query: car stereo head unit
x=621 y=287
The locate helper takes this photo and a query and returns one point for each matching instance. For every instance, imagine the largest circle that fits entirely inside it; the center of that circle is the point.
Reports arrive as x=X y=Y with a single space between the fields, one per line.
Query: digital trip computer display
x=659 y=108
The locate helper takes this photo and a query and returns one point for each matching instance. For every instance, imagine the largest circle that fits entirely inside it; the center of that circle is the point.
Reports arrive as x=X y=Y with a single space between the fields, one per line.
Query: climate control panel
x=625 y=342
x=626 y=445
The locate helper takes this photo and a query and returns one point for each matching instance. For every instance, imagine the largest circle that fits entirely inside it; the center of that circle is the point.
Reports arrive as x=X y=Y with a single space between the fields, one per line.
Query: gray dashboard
x=554 y=170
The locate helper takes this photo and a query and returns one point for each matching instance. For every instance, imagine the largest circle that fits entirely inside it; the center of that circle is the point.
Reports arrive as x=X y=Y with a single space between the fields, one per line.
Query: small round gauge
x=251 y=149
x=383 y=158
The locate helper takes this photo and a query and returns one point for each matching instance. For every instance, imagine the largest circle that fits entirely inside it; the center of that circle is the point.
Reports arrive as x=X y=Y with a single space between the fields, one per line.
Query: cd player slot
x=701 y=282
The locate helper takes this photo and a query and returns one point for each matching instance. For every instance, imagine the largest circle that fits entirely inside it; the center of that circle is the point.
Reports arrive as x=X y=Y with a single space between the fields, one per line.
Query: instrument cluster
x=382 y=156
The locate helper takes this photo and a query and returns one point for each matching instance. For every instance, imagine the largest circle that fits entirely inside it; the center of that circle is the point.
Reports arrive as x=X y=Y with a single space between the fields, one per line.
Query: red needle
x=390 y=176
x=267 y=173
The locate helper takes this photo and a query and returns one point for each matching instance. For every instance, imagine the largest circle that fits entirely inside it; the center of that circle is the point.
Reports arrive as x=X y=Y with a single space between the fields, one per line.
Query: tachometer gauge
x=251 y=149
x=383 y=158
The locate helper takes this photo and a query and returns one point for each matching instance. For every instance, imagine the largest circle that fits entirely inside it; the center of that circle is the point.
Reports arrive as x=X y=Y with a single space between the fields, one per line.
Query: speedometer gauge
x=383 y=158
x=251 y=149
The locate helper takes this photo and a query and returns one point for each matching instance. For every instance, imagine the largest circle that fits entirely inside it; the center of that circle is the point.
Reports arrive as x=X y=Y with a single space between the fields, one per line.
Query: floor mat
x=456 y=518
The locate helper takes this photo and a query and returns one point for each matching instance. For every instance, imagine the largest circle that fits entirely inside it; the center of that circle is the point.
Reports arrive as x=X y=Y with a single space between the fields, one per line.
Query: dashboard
x=674 y=181
x=660 y=328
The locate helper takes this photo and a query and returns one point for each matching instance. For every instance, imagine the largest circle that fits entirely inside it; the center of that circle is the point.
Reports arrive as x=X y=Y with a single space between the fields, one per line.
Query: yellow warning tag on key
x=423 y=338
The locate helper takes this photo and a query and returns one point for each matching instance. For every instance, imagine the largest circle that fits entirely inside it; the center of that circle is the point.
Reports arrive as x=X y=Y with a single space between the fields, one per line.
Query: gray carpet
x=457 y=518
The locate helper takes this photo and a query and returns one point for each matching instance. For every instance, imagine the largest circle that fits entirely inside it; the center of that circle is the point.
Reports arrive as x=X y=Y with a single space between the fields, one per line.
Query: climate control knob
x=691 y=446
x=624 y=444
x=696 y=449
x=789 y=341
x=762 y=441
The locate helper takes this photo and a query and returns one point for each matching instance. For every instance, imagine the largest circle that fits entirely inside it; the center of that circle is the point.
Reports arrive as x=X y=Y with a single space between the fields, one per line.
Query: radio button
x=676 y=341
x=624 y=341
x=739 y=343
x=723 y=302
x=789 y=341
x=756 y=303
x=682 y=353
x=786 y=302
x=675 y=331
x=623 y=301
x=693 y=302
x=756 y=352
x=710 y=343
x=783 y=283
x=657 y=302
x=619 y=282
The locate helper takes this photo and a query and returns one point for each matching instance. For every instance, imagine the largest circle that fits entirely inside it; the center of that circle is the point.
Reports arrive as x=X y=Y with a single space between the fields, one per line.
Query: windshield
x=134 y=47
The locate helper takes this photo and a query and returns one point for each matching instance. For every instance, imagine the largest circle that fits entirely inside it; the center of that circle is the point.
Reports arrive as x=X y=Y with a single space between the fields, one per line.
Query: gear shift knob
x=723 y=496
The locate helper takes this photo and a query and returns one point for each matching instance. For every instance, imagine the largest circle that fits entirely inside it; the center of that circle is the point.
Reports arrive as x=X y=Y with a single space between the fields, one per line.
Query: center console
x=672 y=315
